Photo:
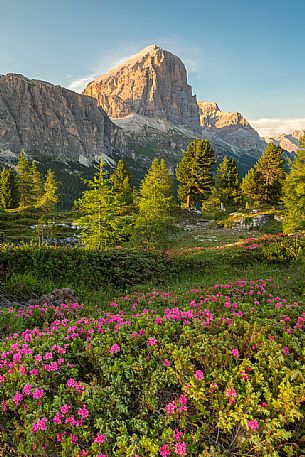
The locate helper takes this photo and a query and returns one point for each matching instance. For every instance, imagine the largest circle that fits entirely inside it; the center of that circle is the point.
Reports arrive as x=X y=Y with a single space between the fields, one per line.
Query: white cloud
x=78 y=85
x=275 y=126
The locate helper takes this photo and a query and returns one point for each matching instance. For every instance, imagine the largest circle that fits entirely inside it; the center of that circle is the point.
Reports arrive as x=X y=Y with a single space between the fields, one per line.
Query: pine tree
x=251 y=185
x=264 y=183
x=24 y=181
x=121 y=184
x=5 y=189
x=36 y=184
x=50 y=195
x=155 y=203
x=271 y=168
x=101 y=225
x=194 y=172
x=294 y=192
x=228 y=186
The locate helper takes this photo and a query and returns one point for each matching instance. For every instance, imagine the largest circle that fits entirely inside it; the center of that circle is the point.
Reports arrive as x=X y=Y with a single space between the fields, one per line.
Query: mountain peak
x=151 y=83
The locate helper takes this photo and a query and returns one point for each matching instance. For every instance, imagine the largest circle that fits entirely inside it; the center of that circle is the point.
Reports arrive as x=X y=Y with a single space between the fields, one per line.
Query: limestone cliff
x=230 y=127
x=40 y=117
x=153 y=83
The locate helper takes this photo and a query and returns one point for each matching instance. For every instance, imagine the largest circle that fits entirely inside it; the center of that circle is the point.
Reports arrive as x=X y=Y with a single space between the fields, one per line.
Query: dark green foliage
x=228 y=187
x=294 y=192
x=121 y=184
x=194 y=173
x=87 y=267
x=36 y=184
x=264 y=182
x=8 y=189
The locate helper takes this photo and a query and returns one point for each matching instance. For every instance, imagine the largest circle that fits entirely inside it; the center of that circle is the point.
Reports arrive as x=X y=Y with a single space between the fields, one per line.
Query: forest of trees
x=25 y=188
x=112 y=211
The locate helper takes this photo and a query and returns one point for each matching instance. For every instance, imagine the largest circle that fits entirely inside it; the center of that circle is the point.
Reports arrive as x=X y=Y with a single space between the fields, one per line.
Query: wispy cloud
x=78 y=85
x=275 y=126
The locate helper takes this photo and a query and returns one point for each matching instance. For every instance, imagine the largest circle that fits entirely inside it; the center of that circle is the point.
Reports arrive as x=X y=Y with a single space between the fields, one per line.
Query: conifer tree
x=228 y=186
x=121 y=184
x=294 y=192
x=36 y=184
x=6 y=201
x=194 y=172
x=24 y=181
x=101 y=226
x=50 y=195
x=155 y=203
x=264 y=183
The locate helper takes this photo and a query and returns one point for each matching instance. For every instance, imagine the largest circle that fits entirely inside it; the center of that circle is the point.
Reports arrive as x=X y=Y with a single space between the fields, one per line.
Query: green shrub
x=289 y=248
x=92 y=268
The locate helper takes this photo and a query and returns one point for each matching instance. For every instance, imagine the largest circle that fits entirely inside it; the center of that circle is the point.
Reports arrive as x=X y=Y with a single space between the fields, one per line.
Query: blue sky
x=248 y=55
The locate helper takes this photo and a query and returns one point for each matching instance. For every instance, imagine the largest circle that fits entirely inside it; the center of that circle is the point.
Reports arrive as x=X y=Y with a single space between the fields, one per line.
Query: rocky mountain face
x=48 y=120
x=153 y=84
x=289 y=142
x=231 y=128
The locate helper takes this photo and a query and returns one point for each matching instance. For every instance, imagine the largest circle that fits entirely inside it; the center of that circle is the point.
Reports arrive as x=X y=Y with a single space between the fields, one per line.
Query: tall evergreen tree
x=121 y=184
x=36 y=184
x=228 y=186
x=194 y=172
x=155 y=203
x=294 y=192
x=264 y=184
x=101 y=225
x=24 y=181
x=50 y=195
x=6 y=201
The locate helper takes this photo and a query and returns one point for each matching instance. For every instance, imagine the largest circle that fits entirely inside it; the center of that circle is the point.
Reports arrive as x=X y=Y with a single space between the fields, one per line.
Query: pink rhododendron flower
x=199 y=375
x=99 y=438
x=38 y=393
x=65 y=408
x=40 y=424
x=180 y=448
x=170 y=407
x=252 y=425
x=164 y=451
x=166 y=363
x=115 y=348
x=235 y=352
x=83 y=412
x=151 y=341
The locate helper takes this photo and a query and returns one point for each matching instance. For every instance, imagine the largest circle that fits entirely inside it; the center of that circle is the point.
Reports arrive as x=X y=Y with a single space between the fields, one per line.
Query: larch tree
x=294 y=192
x=228 y=186
x=100 y=223
x=121 y=184
x=155 y=203
x=36 y=184
x=50 y=196
x=194 y=172
x=24 y=181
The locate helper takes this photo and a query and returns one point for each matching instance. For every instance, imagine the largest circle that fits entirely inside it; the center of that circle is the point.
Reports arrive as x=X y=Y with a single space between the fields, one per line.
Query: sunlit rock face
x=230 y=127
x=153 y=83
x=40 y=117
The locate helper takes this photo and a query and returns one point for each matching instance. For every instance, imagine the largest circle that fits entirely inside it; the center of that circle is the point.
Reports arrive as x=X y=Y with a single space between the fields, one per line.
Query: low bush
x=216 y=373
x=92 y=268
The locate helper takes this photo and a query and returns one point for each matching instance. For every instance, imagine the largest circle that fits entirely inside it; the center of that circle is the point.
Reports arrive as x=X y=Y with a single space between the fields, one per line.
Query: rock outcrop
x=37 y=116
x=153 y=83
x=289 y=142
x=230 y=127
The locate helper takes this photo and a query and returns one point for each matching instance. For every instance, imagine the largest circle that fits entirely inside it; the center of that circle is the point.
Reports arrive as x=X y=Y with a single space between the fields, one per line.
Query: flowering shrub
x=200 y=373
